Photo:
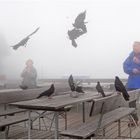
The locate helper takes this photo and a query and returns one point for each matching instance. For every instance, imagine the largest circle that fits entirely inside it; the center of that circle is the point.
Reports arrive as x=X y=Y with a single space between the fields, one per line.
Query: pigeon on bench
x=121 y=88
x=48 y=92
x=100 y=89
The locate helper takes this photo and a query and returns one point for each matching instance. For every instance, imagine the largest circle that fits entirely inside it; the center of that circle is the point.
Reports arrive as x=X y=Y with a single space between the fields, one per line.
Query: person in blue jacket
x=131 y=67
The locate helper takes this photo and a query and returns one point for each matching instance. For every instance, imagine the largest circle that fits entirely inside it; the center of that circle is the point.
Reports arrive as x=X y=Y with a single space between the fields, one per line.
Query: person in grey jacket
x=29 y=75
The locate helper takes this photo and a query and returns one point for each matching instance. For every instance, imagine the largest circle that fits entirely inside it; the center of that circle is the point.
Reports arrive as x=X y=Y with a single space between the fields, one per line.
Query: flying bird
x=24 y=41
x=100 y=89
x=74 y=34
x=48 y=92
x=79 y=22
x=121 y=88
x=74 y=86
x=79 y=28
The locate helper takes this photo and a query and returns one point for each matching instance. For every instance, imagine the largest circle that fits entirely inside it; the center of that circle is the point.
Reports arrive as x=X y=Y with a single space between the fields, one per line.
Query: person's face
x=29 y=63
x=136 y=48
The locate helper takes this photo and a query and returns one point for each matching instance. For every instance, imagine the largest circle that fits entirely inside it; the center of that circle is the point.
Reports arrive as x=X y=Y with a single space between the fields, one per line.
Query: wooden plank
x=13 y=120
x=110 y=103
x=74 y=117
x=45 y=103
x=56 y=102
x=87 y=129
x=11 y=111
x=14 y=95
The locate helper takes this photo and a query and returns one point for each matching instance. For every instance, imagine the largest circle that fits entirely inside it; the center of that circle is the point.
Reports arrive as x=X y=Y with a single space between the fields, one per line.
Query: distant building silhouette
x=82 y=77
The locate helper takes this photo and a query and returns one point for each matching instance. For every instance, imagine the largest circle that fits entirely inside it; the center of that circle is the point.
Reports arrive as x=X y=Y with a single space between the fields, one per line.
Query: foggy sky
x=4 y=52
x=113 y=26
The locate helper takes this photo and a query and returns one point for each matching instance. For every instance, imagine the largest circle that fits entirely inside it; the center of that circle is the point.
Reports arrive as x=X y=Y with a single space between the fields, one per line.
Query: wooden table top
x=57 y=102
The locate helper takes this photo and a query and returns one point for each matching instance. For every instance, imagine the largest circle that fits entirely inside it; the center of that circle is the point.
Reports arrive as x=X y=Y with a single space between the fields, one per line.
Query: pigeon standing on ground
x=121 y=88
x=73 y=86
x=24 y=41
x=48 y=92
x=79 y=28
x=100 y=89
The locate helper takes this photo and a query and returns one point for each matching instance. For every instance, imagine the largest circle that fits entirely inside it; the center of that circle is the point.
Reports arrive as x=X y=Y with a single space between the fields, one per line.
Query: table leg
x=83 y=111
x=56 y=125
x=29 y=124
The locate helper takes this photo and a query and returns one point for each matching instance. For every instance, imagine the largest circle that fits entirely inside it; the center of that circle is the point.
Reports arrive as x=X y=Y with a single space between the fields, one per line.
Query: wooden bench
x=8 y=96
x=13 y=95
x=105 y=111
x=13 y=120
x=11 y=111
x=5 y=123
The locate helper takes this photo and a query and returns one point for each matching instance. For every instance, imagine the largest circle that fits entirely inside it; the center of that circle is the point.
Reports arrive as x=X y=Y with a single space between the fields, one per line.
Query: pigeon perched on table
x=23 y=87
x=79 y=89
x=74 y=86
x=48 y=92
x=71 y=83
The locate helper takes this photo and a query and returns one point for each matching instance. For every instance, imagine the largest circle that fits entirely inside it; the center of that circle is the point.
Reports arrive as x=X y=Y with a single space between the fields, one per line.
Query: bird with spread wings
x=79 y=28
x=24 y=41
x=74 y=86
x=79 y=22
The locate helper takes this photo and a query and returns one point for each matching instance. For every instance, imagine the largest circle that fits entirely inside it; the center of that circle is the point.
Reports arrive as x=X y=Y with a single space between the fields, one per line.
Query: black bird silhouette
x=79 y=28
x=73 y=86
x=79 y=22
x=74 y=34
x=71 y=83
x=2 y=128
x=121 y=88
x=23 y=87
x=79 y=89
x=100 y=89
x=24 y=41
x=48 y=92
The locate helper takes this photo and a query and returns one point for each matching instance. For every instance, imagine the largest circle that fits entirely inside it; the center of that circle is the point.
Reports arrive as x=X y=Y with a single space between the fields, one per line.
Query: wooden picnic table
x=55 y=104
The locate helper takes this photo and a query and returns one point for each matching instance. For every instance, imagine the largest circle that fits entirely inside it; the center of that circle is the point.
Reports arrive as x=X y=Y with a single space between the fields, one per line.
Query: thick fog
x=113 y=26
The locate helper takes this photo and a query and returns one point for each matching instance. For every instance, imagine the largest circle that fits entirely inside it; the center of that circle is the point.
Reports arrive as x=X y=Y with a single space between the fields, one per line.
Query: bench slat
x=13 y=120
x=89 y=128
x=11 y=111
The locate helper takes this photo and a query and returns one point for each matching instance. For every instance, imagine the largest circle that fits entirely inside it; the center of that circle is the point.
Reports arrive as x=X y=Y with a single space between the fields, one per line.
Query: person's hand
x=135 y=70
x=135 y=60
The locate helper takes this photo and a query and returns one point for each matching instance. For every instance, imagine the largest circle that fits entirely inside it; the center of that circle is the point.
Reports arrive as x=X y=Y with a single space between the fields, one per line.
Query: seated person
x=29 y=76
